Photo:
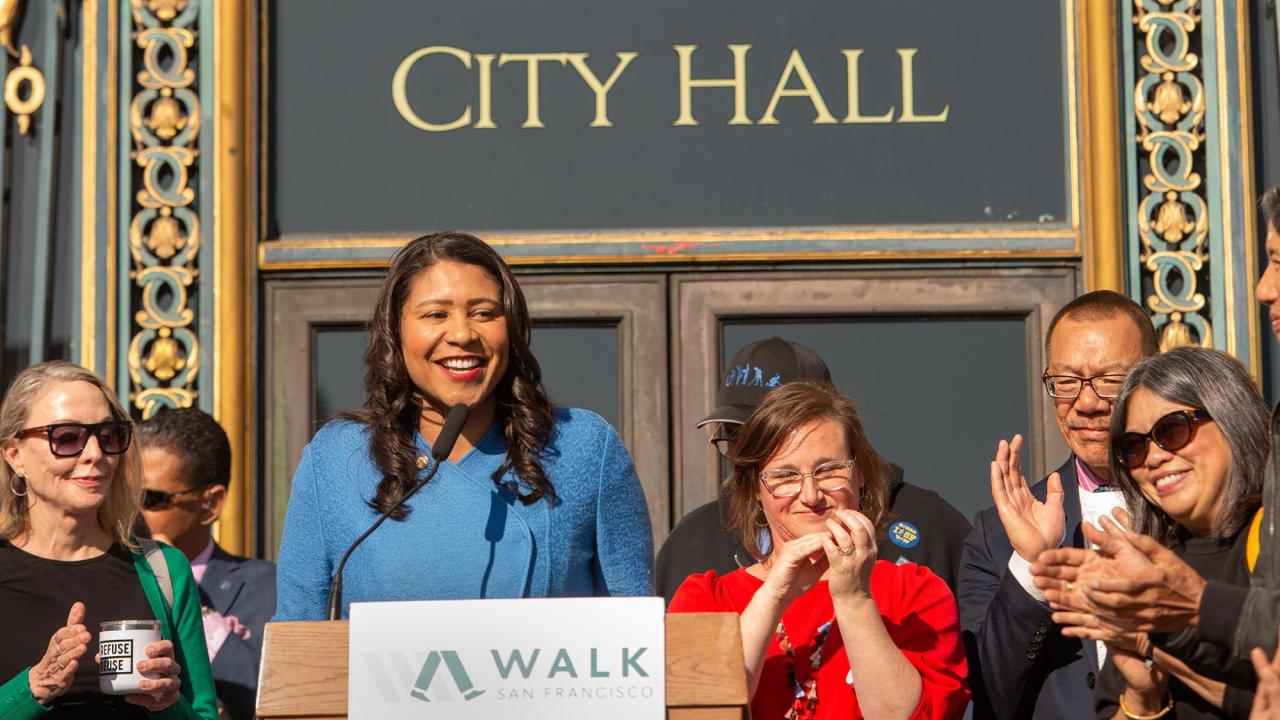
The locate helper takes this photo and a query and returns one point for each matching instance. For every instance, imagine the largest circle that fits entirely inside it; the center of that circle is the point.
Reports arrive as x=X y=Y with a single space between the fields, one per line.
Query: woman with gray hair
x=70 y=486
x=1189 y=441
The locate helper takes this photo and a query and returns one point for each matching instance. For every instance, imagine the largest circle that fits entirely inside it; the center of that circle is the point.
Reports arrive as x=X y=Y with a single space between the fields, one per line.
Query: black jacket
x=1234 y=620
x=922 y=528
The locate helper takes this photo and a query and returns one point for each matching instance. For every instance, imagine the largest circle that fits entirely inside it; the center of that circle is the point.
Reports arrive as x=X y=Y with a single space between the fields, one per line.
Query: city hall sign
x=581 y=119
x=794 y=80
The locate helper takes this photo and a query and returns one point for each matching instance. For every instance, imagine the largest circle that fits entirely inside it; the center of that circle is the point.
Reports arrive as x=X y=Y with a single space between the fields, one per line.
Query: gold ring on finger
x=846 y=551
x=61 y=665
x=1071 y=587
x=59 y=647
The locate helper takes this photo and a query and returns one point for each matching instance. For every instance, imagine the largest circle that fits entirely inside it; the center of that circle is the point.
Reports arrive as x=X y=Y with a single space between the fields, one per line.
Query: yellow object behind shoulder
x=1253 y=543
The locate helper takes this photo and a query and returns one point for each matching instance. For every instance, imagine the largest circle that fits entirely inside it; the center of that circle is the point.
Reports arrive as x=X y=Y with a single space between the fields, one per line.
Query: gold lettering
x=738 y=82
x=855 y=115
x=579 y=62
x=484 y=67
x=401 y=99
x=796 y=66
x=532 y=118
x=908 y=92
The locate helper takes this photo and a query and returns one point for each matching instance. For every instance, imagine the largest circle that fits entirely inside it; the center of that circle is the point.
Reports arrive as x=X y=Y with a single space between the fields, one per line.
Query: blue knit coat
x=467 y=537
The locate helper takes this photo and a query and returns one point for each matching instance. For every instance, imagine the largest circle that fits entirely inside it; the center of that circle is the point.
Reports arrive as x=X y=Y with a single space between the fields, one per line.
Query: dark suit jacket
x=245 y=588
x=1020 y=665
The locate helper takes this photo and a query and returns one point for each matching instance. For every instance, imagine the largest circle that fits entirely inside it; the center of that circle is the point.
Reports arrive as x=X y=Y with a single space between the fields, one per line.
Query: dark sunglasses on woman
x=1171 y=432
x=69 y=439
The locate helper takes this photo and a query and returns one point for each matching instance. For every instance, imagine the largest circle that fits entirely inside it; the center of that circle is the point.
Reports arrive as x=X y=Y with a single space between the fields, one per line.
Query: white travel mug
x=122 y=644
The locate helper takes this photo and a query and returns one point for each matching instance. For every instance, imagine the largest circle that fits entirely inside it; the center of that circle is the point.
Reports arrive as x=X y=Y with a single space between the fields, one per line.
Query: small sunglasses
x=161 y=500
x=1171 y=432
x=68 y=439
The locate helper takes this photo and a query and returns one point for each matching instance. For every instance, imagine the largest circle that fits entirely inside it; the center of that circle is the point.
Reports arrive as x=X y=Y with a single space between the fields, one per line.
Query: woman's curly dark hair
x=392 y=403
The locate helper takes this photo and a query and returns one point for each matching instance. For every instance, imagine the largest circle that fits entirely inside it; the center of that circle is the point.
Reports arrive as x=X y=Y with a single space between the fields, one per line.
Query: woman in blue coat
x=533 y=501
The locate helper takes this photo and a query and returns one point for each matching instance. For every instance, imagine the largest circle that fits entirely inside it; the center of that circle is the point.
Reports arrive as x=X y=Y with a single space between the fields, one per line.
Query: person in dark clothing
x=186 y=464
x=1189 y=439
x=922 y=528
x=69 y=489
x=1134 y=583
x=1222 y=559
x=1021 y=666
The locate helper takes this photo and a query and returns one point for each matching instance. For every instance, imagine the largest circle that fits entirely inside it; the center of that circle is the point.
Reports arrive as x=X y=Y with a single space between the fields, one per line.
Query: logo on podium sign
x=564 y=658
x=461 y=680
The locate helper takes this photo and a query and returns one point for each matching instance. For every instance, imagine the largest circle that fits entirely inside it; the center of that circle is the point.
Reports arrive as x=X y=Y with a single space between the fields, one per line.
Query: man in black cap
x=698 y=542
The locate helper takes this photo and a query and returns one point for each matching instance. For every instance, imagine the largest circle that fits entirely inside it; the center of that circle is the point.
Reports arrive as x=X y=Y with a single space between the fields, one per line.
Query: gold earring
x=13 y=488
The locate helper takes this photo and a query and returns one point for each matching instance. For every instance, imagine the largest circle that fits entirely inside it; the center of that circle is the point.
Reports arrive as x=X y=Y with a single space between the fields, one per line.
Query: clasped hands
x=846 y=551
x=1130 y=583
x=55 y=673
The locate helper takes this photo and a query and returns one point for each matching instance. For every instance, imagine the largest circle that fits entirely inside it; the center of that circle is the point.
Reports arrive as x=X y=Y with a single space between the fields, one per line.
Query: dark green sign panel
x=582 y=116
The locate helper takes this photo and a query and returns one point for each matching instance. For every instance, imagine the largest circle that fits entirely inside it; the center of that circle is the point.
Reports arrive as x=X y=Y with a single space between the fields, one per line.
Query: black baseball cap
x=758 y=368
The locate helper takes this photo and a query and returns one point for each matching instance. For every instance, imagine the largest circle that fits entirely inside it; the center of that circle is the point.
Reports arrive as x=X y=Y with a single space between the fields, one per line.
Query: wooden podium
x=304 y=669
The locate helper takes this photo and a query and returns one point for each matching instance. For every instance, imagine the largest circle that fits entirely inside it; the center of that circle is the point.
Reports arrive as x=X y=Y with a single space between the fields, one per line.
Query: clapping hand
x=1131 y=582
x=1032 y=526
x=1065 y=573
x=795 y=568
x=53 y=675
x=1266 y=701
x=851 y=553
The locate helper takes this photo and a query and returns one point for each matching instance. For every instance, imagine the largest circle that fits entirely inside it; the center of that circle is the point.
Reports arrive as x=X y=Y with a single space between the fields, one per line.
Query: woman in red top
x=828 y=631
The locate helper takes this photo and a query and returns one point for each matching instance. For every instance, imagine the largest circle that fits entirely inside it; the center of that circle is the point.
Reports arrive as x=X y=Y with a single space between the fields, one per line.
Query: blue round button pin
x=904 y=534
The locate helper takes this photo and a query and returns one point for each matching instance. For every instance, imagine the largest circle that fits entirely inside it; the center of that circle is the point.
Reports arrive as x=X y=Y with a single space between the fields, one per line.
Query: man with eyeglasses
x=186 y=463
x=1134 y=584
x=1020 y=665
x=923 y=528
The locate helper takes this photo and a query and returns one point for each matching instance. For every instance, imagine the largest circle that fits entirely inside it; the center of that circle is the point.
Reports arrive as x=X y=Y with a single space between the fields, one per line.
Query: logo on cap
x=750 y=375
x=904 y=534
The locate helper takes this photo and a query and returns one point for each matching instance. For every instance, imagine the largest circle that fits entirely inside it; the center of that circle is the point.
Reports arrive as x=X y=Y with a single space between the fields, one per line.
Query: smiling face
x=76 y=485
x=453 y=338
x=1187 y=483
x=814 y=443
x=1088 y=348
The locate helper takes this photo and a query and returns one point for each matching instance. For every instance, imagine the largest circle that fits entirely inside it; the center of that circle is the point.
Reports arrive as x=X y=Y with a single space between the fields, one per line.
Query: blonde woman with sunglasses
x=1189 y=446
x=70 y=486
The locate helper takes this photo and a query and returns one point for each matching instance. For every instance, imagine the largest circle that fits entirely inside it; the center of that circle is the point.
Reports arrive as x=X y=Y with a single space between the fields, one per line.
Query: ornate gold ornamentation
x=166 y=117
x=1169 y=103
x=24 y=90
x=1173 y=217
x=10 y=11
x=164 y=233
x=165 y=359
x=166 y=237
x=1171 y=221
x=166 y=10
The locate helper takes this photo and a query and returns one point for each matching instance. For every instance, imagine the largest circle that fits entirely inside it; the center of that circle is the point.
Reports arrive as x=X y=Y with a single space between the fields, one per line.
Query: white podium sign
x=472 y=659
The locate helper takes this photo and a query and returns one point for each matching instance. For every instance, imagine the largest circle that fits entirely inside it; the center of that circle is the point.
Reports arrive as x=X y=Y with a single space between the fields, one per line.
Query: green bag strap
x=160 y=568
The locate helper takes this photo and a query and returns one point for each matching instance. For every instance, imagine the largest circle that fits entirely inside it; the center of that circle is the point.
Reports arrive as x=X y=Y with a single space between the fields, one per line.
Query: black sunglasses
x=68 y=439
x=161 y=500
x=1171 y=432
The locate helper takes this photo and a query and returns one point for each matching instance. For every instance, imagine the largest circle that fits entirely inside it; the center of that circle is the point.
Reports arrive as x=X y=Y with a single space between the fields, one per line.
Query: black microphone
x=445 y=441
